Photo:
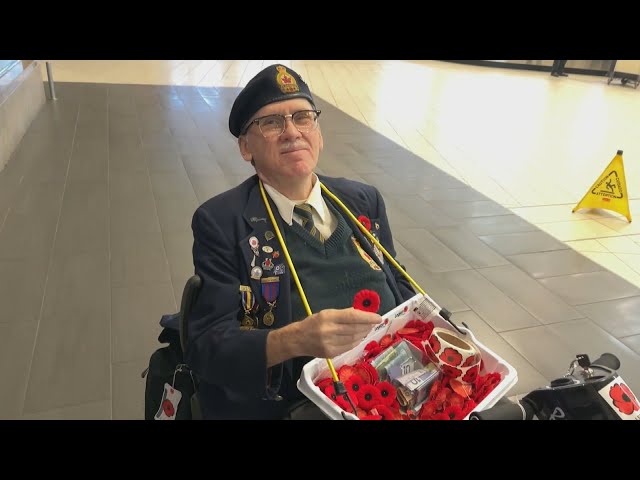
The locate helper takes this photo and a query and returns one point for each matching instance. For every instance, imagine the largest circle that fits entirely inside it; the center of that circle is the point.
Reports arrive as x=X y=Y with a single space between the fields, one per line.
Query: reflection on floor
x=95 y=207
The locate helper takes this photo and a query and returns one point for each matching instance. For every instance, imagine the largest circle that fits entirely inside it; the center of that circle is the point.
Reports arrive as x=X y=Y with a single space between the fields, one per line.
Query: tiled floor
x=95 y=207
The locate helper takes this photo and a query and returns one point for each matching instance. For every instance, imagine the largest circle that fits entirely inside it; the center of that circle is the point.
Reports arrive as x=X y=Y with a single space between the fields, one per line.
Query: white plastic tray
x=317 y=369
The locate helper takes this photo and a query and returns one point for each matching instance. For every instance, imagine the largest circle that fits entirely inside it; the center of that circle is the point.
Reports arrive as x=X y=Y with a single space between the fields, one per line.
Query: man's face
x=290 y=157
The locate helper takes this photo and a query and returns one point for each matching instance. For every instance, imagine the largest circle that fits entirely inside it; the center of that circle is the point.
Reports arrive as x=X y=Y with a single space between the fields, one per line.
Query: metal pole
x=52 y=90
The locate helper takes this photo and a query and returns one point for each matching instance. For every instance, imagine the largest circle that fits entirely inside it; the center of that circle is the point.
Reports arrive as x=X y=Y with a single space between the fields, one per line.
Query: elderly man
x=251 y=333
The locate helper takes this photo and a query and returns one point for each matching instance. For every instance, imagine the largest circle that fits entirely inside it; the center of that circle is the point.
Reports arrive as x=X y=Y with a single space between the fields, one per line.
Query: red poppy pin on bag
x=169 y=404
x=621 y=399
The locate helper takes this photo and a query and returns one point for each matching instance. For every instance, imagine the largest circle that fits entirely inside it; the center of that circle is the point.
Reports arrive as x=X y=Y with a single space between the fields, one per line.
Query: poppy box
x=420 y=307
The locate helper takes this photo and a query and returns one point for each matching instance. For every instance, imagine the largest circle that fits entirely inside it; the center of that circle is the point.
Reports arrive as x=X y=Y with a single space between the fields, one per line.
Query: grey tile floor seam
x=157 y=152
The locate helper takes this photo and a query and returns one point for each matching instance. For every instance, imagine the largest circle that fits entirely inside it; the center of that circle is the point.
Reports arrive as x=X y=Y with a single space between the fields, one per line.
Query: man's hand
x=325 y=334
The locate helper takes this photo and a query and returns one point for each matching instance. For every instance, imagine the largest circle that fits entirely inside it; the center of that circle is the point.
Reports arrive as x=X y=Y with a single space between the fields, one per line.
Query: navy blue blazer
x=231 y=363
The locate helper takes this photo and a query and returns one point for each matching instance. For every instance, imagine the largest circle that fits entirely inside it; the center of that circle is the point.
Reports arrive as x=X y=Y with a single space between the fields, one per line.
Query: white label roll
x=456 y=357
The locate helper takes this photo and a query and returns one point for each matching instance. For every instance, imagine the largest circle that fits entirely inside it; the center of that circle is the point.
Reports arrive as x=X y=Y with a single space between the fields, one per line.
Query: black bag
x=167 y=367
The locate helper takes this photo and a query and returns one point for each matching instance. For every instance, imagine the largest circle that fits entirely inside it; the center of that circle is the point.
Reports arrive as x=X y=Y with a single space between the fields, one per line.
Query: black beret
x=273 y=84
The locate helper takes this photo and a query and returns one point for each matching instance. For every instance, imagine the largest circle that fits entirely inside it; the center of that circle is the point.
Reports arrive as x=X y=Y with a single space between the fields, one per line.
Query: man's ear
x=243 y=143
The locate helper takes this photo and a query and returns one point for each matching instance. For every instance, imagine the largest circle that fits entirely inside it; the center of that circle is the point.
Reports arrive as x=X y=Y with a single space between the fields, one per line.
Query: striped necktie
x=305 y=211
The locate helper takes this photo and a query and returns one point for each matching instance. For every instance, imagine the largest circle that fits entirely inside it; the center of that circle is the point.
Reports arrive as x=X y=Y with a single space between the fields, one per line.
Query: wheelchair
x=167 y=365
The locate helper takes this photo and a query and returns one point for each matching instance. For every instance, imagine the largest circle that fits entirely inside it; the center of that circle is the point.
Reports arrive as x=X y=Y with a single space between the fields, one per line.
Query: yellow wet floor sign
x=609 y=191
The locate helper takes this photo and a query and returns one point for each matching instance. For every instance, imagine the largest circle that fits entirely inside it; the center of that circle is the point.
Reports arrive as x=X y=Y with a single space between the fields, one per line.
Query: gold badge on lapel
x=367 y=258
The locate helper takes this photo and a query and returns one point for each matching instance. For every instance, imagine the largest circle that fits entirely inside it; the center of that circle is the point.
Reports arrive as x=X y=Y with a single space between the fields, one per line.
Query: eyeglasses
x=272 y=126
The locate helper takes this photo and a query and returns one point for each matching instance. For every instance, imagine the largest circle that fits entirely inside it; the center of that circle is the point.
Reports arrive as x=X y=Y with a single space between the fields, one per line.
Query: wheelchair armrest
x=189 y=297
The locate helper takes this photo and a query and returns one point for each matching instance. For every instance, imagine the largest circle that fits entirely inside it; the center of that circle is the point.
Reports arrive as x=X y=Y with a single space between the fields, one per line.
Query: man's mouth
x=294 y=148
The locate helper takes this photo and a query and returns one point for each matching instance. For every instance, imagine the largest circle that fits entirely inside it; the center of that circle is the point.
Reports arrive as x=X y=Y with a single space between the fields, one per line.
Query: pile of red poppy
x=376 y=400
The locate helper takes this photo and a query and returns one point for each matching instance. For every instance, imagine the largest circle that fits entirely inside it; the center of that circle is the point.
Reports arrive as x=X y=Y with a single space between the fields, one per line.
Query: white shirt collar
x=285 y=206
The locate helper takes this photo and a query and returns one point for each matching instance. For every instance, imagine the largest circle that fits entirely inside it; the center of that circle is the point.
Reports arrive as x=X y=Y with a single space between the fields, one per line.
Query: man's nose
x=290 y=130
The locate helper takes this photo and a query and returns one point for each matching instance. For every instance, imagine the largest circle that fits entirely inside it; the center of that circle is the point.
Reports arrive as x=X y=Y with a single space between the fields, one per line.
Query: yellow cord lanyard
x=292 y=269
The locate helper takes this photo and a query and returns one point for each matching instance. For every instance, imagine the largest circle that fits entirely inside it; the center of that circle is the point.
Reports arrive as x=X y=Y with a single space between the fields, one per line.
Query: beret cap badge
x=285 y=81
x=275 y=83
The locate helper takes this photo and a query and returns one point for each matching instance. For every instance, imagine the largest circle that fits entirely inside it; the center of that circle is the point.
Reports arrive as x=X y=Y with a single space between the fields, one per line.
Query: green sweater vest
x=331 y=273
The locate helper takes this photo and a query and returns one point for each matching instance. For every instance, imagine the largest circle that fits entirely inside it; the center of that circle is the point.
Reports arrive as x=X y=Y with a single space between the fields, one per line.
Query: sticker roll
x=455 y=356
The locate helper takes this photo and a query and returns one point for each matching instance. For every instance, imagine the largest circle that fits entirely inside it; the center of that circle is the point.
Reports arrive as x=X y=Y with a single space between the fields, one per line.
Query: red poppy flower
x=367 y=372
x=371 y=417
x=322 y=384
x=451 y=356
x=367 y=300
x=344 y=404
x=442 y=396
x=354 y=384
x=485 y=384
x=386 y=341
x=428 y=410
x=453 y=412
x=435 y=344
x=345 y=372
x=365 y=221
x=461 y=389
x=330 y=392
x=630 y=394
x=384 y=411
x=623 y=399
x=471 y=375
x=361 y=413
x=168 y=409
x=372 y=350
x=451 y=371
x=373 y=353
x=408 y=331
x=387 y=392
x=469 y=405
x=371 y=345
x=339 y=400
x=417 y=324
x=434 y=390
x=440 y=416
x=456 y=400
x=369 y=396
x=470 y=361
x=428 y=330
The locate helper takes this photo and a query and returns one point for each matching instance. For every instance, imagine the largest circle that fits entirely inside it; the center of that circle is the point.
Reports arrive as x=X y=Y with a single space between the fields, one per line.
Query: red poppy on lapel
x=365 y=221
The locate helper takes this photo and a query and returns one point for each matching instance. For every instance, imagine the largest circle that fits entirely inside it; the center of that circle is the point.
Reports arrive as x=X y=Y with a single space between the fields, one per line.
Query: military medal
x=247 y=323
x=267 y=249
x=269 y=235
x=256 y=272
x=270 y=292
x=248 y=302
x=255 y=246
x=365 y=256
x=268 y=318
x=378 y=253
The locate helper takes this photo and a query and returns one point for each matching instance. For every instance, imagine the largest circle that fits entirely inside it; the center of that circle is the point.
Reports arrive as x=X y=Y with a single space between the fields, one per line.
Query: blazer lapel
x=269 y=259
